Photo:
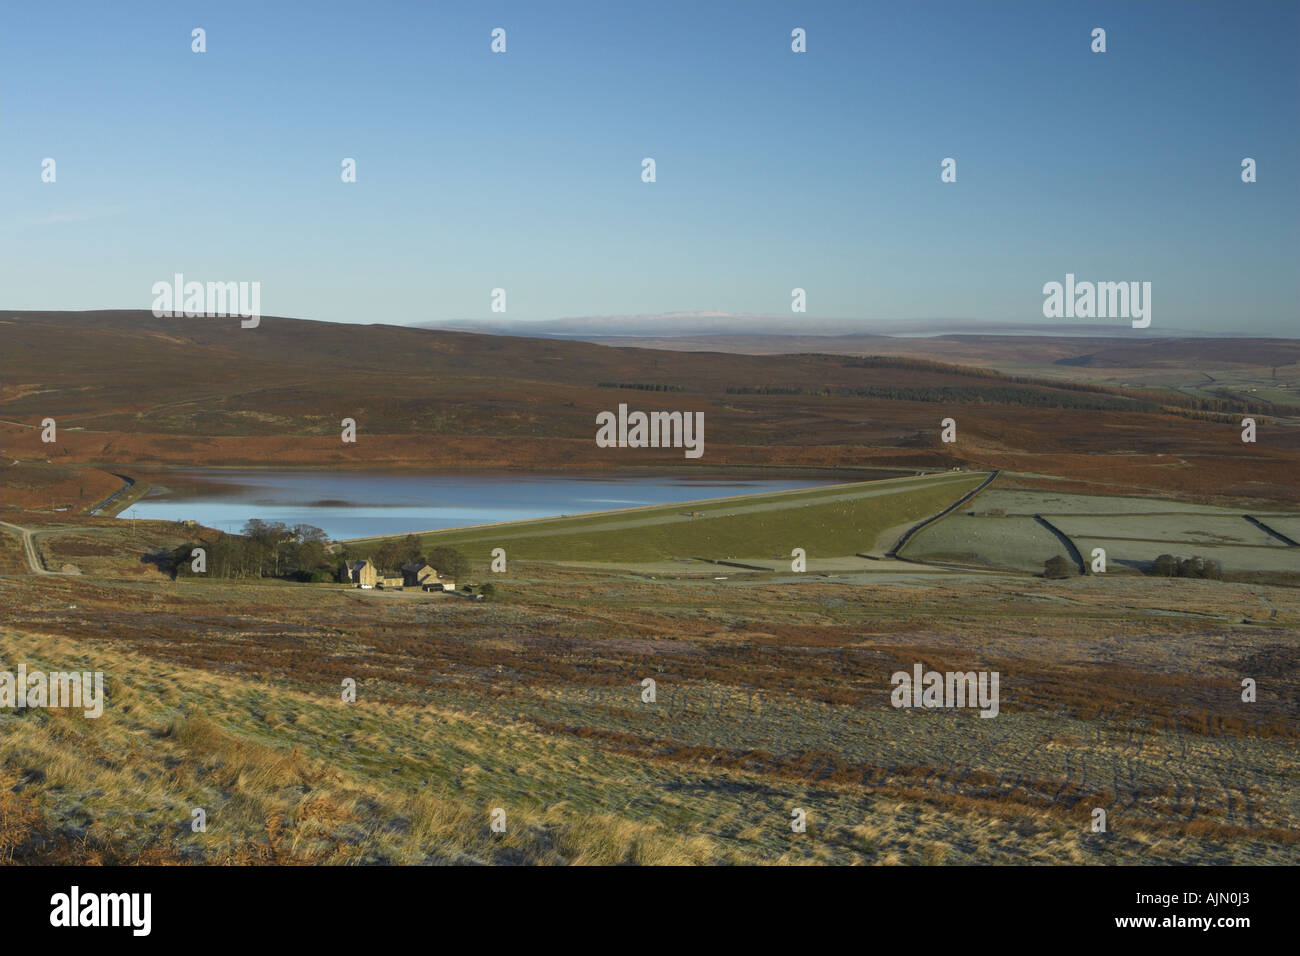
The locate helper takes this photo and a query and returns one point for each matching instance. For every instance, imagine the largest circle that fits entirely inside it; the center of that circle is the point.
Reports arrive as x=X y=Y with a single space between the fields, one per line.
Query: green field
x=998 y=530
x=1234 y=558
x=832 y=521
x=1014 y=541
x=1181 y=529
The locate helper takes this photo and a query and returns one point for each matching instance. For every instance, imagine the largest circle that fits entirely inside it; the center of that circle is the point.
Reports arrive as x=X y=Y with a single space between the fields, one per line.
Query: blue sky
x=774 y=169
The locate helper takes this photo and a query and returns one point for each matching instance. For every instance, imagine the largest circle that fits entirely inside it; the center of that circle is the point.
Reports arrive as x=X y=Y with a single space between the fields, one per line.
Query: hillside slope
x=127 y=388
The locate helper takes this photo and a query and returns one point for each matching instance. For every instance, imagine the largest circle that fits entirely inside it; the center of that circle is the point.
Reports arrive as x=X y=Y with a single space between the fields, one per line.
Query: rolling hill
x=131 y=390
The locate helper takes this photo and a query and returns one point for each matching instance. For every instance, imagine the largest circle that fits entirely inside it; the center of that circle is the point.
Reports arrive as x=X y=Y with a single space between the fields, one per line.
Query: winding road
x=130 y=483
x=29 y=549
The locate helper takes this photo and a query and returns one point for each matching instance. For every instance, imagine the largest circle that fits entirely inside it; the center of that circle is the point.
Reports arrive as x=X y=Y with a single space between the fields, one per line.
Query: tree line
x=1164 y=566
x=1168 y=566
x=643 y=386
x=264 y=549
x=1008 y=394
x=303 y=552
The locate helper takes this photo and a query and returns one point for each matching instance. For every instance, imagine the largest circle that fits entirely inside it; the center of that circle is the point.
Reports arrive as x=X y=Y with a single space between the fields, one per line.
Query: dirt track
x=29 y=549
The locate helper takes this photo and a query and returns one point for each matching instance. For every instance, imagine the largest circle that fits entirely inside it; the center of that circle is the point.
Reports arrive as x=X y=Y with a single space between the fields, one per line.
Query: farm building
x=390 y=582
x=417 y=573
x=420 y=574
x=361 y=573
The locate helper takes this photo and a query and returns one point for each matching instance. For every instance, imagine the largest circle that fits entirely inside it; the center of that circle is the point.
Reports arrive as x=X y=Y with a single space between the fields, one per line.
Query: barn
x=361 y=573
x=417 y=573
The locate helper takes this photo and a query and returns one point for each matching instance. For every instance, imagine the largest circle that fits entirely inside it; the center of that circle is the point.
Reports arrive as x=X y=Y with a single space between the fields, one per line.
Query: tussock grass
x=770 y=698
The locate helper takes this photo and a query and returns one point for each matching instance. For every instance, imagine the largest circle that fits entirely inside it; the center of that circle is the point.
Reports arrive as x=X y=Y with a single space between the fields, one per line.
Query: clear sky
x=522 y=170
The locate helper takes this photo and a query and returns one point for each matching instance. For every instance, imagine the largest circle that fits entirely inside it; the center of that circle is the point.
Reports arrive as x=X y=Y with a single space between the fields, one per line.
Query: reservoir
x=353 y=504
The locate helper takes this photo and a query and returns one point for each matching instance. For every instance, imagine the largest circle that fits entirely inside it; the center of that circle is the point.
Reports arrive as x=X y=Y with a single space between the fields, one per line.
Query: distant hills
x=1007 y=346
x=715 y=324
x=1003 y=351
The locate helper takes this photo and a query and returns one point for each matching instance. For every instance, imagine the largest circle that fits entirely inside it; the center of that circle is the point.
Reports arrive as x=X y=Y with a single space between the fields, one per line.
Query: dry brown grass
x=771 y=696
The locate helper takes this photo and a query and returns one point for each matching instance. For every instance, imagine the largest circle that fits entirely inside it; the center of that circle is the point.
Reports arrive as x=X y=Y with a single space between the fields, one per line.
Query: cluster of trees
x=1168 y=566
x=272 y=549
x=1057 y=567
x=643 y=387
x=1165 y=566
x=263 y=549
x=1228 y=401
x=392 y=554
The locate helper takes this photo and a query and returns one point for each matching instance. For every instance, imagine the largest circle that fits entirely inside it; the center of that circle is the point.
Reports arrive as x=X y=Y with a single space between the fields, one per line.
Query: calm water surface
x=352 y=504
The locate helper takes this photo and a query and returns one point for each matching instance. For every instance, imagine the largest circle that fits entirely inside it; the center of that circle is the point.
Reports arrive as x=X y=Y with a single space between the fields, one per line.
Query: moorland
x=1121 y=690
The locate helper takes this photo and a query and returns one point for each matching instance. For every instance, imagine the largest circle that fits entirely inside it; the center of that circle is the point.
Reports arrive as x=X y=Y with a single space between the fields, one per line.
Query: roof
x=416 y=566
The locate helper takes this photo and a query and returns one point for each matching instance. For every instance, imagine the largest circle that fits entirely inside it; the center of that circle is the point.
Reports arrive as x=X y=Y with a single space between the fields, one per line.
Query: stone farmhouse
x=361 y=573
x=419 y=574
x=415 y=574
